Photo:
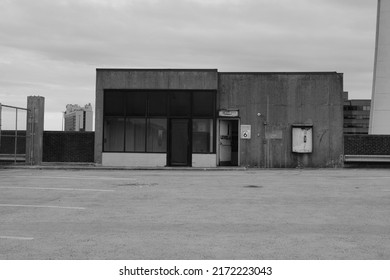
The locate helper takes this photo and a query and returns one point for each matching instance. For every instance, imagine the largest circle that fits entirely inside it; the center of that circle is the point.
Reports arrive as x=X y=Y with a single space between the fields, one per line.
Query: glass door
x=179 y=153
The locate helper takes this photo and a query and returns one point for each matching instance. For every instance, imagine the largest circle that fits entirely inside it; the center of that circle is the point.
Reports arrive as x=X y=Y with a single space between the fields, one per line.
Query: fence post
x=0 y=124
x=34 y=132
x=16 y=134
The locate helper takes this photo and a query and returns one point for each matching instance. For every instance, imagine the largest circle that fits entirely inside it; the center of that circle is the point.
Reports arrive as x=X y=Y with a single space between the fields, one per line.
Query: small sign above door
x=228 y=113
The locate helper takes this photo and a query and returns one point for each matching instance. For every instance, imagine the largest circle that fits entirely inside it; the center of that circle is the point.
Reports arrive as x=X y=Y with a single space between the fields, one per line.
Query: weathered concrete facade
x=34 y=131
x=270 y=104
x=273 y=102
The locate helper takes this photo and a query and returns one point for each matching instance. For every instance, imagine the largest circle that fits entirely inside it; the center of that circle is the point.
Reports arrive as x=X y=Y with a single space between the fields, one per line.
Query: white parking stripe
x=58 y=189
x=42 y=206
x=66 y=177
x=16 y=237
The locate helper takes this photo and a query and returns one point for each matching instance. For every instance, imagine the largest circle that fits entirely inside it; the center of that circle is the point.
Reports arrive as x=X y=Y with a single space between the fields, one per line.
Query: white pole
x=380 y=101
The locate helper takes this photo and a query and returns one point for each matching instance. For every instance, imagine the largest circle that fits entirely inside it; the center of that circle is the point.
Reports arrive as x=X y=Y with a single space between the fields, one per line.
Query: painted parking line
x=16 y=237
x=66 y=177
x=58 y=189
x=42 y=206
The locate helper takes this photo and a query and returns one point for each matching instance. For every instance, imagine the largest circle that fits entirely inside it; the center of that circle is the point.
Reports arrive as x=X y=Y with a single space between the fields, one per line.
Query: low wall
x=65 y=146
x=367 y=144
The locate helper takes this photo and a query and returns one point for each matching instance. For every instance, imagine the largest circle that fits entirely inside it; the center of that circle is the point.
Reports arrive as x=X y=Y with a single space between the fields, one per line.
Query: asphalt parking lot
x=186 y=214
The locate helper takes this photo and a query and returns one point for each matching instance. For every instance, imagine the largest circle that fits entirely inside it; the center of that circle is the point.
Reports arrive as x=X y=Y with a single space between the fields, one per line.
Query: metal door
x=228 y=144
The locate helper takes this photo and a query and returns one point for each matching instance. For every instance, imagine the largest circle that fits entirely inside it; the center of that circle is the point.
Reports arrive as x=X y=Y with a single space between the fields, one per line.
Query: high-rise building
x=380 y=105
x=78 y=118
x=356 y=115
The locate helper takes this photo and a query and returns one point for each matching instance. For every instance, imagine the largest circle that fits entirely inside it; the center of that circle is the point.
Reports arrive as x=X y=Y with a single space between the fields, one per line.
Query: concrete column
x=380 y=103
x=34 y=131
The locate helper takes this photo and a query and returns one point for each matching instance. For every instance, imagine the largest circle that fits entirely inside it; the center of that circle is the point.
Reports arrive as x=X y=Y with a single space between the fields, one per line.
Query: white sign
x=228 y=113
x=245 y=131
x=302 y=139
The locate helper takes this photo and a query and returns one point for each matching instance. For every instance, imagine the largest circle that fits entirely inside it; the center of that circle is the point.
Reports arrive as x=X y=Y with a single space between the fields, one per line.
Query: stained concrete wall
x=284 y=99
x=185 y=79
x=34 y=131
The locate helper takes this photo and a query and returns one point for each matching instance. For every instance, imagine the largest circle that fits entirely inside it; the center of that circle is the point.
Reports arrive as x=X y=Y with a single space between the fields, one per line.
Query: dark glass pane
x=136 y=103
x=180 y=103
x=179 y=142
x=113 y=134
x=157 y=135
x=113 y=103
x=202 y=136
x=157 y=104
x=204 y=104
x=135 y=135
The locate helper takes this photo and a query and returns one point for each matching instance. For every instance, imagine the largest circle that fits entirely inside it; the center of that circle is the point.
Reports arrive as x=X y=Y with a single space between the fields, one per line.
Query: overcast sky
x=52 y=48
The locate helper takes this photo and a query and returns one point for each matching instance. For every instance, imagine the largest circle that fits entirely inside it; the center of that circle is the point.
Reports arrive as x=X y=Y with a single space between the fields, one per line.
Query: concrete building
x=78 y=118
x=206 y=118
x=356 y=115
x=380 y=107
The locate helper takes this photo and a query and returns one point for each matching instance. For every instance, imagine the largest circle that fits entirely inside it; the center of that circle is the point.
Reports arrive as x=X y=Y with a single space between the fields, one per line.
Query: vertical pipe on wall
x=16 y=134
x=266 y=133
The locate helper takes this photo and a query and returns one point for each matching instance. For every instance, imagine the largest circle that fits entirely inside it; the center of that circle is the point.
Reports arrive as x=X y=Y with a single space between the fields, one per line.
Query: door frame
x=189 y=142
x=218 y=136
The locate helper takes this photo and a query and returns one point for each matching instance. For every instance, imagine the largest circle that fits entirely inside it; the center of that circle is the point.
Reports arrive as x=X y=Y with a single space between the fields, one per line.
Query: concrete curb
x=78 y=166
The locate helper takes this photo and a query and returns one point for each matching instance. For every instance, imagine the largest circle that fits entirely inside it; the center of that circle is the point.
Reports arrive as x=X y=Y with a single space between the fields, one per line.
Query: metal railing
x=15 y=156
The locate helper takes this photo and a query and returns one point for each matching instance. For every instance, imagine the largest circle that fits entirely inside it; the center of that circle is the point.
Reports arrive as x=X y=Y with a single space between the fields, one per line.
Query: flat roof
x=280 y=73
x=157 y=69
x=224 y=73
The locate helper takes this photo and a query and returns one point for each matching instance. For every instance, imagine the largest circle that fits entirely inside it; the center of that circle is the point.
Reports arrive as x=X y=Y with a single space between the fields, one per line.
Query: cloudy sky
x=52 y=48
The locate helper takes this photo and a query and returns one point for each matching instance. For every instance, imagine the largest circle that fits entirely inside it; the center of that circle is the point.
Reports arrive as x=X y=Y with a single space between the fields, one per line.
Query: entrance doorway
x=179 y=146
x=228 y=142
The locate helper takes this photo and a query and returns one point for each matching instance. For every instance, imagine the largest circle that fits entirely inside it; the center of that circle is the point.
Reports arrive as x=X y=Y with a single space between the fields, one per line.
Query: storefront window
x=157 y=136
x=113 y=103
x=180 y=103
x=157 y=104
x=202 y=136
x=113 y=134
x=135 y=104
x=203 y=104
x=137 y=121
x=135 y=135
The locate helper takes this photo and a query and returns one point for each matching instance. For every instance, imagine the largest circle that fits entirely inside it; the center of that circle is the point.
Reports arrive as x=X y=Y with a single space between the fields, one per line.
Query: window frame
x=167 y=116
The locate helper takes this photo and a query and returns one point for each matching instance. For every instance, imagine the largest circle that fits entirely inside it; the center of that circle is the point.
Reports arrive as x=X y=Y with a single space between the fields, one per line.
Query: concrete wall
x=284 y=99
x=204 y=160
x=134 y=159
x=146 y=79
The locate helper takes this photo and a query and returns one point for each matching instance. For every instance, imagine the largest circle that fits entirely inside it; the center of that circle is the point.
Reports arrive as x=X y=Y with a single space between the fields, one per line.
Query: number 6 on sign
x=245 y=131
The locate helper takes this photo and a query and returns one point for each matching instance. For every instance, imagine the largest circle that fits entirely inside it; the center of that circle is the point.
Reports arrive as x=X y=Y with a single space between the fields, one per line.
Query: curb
x=94 y=167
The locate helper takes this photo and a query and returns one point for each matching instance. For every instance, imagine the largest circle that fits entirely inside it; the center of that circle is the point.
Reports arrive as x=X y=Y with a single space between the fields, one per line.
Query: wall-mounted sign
x=245 y=131
x=274 y=134
x=302 y=139
x=228 y=113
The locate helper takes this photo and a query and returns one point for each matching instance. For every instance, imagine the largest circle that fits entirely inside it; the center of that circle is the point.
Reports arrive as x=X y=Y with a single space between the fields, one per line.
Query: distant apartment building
x=78 y=118
x=356 y=115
